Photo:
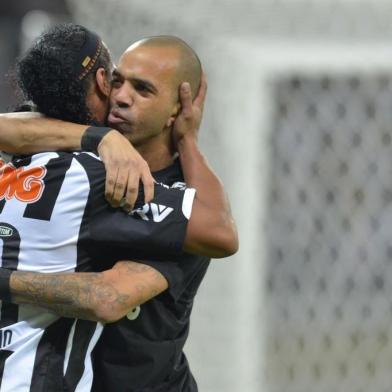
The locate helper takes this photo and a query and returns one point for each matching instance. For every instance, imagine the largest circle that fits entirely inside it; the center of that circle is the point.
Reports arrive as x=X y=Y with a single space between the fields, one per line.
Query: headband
x=88 y=55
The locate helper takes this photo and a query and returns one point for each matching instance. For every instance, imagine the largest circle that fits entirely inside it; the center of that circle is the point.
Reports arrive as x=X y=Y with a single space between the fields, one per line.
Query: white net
x=329 y=231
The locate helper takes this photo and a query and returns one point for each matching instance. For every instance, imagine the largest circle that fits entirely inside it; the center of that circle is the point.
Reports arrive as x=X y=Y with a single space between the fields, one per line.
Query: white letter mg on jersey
x=157 y=212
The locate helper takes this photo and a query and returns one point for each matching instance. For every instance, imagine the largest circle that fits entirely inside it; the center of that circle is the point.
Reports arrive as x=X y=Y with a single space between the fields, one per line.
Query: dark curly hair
x=47 y=75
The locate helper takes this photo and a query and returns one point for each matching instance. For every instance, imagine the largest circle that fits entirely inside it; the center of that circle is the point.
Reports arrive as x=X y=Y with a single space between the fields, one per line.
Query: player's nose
x=122 y=97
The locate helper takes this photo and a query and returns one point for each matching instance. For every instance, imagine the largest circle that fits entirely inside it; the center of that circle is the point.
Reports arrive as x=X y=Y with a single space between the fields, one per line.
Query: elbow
x=107 y=318
x=214 y=241
x=232 y=246
x=107 y=304
x=227 y=243
x=108 y=313
x=218 y=243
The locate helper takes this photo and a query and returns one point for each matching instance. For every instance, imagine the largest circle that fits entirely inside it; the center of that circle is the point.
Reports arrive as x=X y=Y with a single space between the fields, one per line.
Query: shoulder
x=41 y=159
x=92 y=164
x=88 y=159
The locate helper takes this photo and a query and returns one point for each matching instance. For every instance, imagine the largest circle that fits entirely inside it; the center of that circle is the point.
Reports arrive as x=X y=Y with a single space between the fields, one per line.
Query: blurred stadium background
x=298 y=124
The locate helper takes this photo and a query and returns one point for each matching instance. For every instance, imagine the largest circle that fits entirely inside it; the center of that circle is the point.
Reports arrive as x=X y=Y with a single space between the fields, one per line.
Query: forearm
x=211 y=202
x=69 y=295
x=199 y=175
x=24 y=133
x=105 y=296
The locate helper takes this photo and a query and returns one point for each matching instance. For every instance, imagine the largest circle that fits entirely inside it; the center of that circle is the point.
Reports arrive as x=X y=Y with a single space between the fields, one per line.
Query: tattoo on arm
x=70 y=295
x=104 y=296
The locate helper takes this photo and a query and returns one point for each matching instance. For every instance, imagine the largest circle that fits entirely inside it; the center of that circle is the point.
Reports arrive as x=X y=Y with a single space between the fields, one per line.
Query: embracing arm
x=211 y=230
x=29 y=132
x=104 y=296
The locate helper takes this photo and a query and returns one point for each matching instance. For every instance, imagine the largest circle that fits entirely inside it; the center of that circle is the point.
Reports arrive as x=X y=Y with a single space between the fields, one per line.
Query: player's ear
x=175 y=112
x=102 y=81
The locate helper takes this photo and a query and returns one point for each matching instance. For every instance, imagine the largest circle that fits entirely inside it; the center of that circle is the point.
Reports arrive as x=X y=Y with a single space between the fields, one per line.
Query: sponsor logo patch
x=6 y=231
x=26 y=185
x=156 y=212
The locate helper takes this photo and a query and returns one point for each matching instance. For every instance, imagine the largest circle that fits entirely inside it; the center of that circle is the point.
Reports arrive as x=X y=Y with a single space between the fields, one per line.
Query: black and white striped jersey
x=54 y=218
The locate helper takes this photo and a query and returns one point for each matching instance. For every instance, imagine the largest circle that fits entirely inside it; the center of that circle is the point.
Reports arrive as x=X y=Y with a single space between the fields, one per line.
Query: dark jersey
x=54 y=218
x=144 y=351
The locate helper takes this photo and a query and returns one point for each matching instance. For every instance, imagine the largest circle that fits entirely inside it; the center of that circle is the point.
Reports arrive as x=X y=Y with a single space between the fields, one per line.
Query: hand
x=124 y=168
x=188 y=120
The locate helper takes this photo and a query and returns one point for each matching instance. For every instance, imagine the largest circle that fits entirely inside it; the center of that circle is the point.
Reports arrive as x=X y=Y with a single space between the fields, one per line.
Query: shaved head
x=189 y=65
x=145 y=99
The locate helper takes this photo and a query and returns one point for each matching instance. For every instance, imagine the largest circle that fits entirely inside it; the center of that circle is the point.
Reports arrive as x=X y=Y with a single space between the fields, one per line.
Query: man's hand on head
x=188 y=121
x=124 y=169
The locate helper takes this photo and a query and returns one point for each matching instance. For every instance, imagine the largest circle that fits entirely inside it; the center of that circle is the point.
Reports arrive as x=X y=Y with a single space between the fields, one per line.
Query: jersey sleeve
x=156 y=228
x=180 y=272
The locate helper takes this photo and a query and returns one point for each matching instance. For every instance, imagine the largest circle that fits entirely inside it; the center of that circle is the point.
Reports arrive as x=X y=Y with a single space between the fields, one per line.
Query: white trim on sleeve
x=187 y=203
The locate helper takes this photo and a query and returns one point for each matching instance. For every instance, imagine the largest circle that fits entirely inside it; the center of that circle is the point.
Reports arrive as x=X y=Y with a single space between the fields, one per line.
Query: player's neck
x=158 y=152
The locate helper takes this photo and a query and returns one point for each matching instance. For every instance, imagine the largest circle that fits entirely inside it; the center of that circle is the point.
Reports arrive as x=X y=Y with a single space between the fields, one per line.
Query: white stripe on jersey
x=19 y=366
x=188 y=202
x=50 y=246
x=69 y=347
x=86 y=381
x=45 y=246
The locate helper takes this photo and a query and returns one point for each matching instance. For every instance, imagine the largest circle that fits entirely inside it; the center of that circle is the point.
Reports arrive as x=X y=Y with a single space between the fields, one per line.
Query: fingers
x=141 y=172
x=186 y=99
x=111 y=178
x=117 y=181
x=201 y=95
x=148 y=183
x=124 y=169
x=121 y=186
x=115 y=184
x=131 y=191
